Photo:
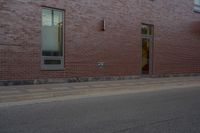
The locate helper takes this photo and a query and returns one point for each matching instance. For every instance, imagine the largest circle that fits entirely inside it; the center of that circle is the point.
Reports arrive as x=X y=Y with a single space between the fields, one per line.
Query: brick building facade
x=101 y=38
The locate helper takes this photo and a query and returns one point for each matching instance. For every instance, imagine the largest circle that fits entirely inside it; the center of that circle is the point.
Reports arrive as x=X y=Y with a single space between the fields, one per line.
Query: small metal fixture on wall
x=100 y=64
x=103 y=25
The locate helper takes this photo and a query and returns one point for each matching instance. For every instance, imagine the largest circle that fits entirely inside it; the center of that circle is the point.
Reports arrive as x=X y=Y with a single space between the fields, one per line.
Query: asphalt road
x=164 y=111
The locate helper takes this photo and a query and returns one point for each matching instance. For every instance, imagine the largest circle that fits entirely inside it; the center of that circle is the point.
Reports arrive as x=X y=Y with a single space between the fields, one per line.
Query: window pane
x=144 y=30
x=52 y=32
x=197 y=2
x=46 y=17
x=57 y=17
x=147 y=30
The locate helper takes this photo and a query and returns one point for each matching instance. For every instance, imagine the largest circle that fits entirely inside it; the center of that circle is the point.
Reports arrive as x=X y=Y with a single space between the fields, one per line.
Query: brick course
x=176 y=39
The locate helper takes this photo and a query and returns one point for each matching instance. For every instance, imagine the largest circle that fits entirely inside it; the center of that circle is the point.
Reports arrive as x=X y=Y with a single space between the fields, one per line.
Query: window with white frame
x=52 y=39
x=197 y=6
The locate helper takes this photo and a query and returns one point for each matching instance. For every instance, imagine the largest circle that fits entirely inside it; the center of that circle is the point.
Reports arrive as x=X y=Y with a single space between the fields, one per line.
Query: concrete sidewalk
x=13 y=94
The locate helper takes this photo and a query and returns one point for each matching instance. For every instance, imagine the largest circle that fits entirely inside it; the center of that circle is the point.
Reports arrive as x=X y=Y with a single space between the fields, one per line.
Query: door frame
x=151 y=51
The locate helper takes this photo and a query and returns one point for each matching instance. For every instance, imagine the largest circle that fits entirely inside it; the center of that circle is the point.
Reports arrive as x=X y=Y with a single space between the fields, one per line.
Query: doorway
x=147 y=44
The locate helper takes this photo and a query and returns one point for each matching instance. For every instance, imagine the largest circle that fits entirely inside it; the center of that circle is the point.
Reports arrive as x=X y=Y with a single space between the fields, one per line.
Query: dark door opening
x=145 y=55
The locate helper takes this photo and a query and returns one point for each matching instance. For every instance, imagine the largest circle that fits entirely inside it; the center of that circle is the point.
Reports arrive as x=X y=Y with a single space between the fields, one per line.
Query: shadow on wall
x=195 y=27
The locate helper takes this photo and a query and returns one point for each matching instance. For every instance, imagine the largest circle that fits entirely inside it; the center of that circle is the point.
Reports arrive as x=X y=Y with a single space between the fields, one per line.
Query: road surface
x=160 y=111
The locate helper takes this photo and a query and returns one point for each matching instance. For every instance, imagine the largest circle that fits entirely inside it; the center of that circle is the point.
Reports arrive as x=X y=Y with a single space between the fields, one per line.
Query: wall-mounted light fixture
x=104 y=25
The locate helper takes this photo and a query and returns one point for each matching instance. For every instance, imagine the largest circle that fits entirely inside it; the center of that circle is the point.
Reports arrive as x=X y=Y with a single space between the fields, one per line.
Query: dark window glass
x=52 y=62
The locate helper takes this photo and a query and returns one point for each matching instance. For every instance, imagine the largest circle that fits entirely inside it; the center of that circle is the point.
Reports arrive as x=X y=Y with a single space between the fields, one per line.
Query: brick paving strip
x=12 y=94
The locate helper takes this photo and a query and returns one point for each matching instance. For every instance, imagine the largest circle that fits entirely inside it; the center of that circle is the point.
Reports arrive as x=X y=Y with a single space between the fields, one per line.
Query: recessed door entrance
x=145 y=55
x=147 y=42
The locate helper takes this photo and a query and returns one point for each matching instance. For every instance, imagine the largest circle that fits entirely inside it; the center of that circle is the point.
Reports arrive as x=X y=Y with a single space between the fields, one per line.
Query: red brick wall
x=177 y=37
x=176 y=43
